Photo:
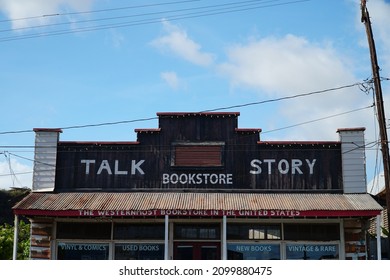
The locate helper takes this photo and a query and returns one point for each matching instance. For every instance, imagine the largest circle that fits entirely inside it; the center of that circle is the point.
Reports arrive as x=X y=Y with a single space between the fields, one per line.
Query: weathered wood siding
x=41 y=235
x=247 y=163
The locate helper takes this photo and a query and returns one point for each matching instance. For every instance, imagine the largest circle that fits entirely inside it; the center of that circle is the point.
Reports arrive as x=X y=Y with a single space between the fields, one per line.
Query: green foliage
x=7 y=240
x=385 y=231
x=8 y=198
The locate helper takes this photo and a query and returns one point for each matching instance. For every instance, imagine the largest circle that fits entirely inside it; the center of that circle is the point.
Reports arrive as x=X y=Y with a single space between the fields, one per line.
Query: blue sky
x=66 y=63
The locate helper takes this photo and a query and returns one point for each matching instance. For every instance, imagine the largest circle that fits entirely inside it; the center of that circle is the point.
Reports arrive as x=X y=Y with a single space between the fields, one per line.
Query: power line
x=320 y=119
x=234 y=5
x=204 y=111
x=147 y=21
x=17 y=173
x=370 y=144
x=16 y=131
x=286 y=97
x=98 y=11
x=14 y=178
x=263 y=132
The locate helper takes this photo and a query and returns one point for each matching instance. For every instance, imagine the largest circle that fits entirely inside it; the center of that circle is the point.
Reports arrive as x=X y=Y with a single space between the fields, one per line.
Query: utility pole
x=380 y=109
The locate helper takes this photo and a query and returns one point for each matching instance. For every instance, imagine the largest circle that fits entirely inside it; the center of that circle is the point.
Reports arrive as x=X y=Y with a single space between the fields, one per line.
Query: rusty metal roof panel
x=200 y=201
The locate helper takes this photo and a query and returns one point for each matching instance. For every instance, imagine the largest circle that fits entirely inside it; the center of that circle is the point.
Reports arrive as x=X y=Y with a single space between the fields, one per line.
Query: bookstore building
x=199 y=187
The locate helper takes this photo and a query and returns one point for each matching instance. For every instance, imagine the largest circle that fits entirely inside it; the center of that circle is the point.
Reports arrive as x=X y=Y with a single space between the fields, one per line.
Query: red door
x=197 y=251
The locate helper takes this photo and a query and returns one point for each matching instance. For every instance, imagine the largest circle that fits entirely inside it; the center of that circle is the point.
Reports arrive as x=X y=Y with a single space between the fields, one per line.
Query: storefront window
x=83 y=230
x=253 y=231
x=312 y=251
x=191 y=231
x=253 y=251
x=82 y=251
x=139 y=231
x=139 y=251
x=313 y=232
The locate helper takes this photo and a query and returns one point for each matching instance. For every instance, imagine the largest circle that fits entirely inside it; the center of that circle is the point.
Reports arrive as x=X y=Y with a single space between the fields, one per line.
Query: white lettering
x=141 y=247
x=196 y=179
x=256 y=164
x=214 y=179
x=295 y=164
x=328 y=248
x=286 y=166
x=165 y=179
x=87 y=163
x=191 y=179
x=229 y=180
x=136 y=167
x=269 y=162
x=86 y=213
x=199 y=179
x=259 y=248
x=311 y=165
x=206 y=178
x=300 y=248
x=254 y=248
x=174 y=178
x=283 y=166
x=117 y=171
x=183 y=178
x=104 y=166
x=84 y=247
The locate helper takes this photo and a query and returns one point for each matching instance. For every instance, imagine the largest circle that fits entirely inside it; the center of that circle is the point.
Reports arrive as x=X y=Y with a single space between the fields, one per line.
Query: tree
x=7 y=240
x=8 y=198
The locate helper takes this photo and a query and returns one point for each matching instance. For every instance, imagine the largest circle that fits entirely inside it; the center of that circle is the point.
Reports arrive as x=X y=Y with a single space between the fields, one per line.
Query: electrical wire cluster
x=359 y=84
x=184 y=10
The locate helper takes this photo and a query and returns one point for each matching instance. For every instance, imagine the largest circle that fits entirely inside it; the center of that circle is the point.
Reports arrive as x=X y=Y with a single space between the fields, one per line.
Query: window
x=93 y=241
x=253 y=251
x=139 y=231
x=82 y=251
x=253 y=232
x=313 y=232
x=313 y=251
x=209 y=231
x=198 y=154
x=139 y=251
x=83 y=230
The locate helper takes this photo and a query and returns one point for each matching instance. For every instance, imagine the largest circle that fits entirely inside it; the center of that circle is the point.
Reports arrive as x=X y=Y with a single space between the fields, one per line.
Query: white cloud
x=284 y=65
x=22 y=177
x=171 y=79
x=379 y=14
x=291 y=65
x=177 y=41
x=27 y=13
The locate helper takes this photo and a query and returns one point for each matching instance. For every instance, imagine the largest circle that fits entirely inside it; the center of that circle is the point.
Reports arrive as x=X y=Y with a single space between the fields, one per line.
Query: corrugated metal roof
x=199 y=201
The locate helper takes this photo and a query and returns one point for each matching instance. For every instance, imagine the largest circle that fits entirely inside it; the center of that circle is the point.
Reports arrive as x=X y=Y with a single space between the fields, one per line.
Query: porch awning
x=197 y=204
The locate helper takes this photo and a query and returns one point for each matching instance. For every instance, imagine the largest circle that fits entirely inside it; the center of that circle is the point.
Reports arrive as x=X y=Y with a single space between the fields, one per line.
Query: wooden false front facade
x=199 y=187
